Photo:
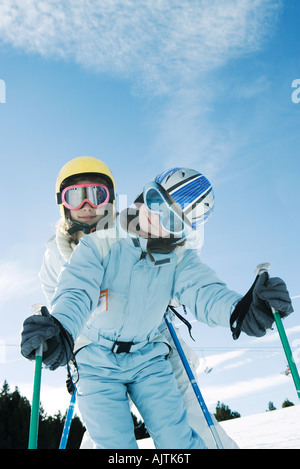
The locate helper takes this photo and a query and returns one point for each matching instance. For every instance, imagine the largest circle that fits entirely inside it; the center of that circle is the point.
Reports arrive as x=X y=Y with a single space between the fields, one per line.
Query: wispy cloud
x=274 y=336
x=163 y=48
x=15 y=280
x=242 y=388
x=217 y=359
x=158 y=43
x=187 y=132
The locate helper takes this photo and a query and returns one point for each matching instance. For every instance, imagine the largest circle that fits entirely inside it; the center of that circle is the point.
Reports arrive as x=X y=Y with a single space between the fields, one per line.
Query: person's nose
x=86 y=206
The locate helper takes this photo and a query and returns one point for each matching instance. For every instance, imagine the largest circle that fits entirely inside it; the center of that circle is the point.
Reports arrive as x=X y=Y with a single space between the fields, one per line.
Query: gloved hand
x=257 y=313
x=272 y=292
x=58 y=343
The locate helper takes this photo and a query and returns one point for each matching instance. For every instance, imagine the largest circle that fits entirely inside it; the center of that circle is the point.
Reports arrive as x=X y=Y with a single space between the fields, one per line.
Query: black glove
x=57 y=342
x=253 y=314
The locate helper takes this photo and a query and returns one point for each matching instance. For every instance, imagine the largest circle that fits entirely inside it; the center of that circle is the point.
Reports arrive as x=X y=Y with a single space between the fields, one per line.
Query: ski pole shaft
x=66 y=430
x=283 y=337
x=287 y=351
x=35 y=406
x=193 y=382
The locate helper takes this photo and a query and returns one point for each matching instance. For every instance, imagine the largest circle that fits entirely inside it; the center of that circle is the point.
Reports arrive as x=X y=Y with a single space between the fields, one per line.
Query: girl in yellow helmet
x=84 y=181
x=85 y=194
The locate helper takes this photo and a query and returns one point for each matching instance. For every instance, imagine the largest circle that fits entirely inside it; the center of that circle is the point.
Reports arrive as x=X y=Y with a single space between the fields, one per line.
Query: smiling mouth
x=88 y=218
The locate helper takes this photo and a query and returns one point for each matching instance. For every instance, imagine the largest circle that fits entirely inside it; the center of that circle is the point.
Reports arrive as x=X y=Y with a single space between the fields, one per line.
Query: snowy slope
x=278 y=429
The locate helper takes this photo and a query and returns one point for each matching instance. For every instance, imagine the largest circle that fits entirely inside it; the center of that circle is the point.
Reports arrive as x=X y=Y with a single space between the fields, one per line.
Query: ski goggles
x=172 y=218
x=74 y=197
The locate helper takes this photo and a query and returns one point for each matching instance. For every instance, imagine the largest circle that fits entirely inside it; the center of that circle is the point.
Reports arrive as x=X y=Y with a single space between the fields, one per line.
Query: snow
x=277 y=429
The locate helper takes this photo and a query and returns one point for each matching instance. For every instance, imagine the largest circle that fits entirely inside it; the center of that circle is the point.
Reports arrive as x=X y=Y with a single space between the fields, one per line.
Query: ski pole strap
x=238 y=315
x=188 y=325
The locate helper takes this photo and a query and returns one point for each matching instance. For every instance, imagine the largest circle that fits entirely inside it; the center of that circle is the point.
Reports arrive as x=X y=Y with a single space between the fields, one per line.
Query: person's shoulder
x=51 y=245
x=102 y=240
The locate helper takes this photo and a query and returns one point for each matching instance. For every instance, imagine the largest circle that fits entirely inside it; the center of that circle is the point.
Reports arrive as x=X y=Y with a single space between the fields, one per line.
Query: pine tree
x=15 y=419
x=14 y=424
x=287 y=403
x=271 y=407
x=223 y=412
x=140 y=431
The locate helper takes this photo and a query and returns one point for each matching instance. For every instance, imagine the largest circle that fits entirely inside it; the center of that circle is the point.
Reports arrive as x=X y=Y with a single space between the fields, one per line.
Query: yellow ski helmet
x=80 y=166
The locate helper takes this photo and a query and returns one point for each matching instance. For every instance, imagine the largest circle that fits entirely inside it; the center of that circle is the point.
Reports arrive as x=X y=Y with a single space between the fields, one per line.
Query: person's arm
x=76 y=296
x=207 y=297
x=77 y=292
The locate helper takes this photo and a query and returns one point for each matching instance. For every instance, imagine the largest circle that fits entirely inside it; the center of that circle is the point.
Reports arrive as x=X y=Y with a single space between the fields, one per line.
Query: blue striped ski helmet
x=191 y=191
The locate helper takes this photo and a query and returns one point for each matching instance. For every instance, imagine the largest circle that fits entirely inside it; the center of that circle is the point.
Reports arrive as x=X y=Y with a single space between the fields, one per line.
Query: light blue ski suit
x=135 y=292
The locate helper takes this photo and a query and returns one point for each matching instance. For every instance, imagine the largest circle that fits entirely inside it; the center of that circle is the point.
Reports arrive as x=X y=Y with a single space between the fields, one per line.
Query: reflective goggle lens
x=73 y=197
x=170 y=217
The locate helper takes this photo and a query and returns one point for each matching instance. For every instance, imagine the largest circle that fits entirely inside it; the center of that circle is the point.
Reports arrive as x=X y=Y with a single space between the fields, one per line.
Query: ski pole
x=66 y=429
x=35 y=406
x=194 y=384
x=261 y=268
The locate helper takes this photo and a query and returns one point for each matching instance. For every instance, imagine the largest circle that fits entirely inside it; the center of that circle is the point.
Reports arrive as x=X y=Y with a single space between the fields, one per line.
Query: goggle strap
x=58 y=198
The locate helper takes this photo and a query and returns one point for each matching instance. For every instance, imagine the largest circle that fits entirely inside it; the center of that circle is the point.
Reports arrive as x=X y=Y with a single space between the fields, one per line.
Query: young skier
x=95 y=200
x=73 y=225
x=124 y=351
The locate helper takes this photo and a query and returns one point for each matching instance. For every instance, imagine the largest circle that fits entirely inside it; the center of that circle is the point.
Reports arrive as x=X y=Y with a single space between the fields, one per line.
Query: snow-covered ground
x=278 y=429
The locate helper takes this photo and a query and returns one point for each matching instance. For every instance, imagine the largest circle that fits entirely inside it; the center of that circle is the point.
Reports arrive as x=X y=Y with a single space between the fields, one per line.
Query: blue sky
x=146 y=86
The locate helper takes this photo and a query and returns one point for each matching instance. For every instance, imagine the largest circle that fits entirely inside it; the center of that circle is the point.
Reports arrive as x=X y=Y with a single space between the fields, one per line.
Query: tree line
x=15 y=418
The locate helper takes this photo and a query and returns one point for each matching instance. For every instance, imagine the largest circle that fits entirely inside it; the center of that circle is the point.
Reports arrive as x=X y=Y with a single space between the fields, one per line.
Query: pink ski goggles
x=74 y=197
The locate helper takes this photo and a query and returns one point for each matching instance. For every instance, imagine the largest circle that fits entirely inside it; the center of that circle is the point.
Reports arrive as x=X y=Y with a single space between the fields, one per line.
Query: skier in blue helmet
x=124 y=352
x=183 y=198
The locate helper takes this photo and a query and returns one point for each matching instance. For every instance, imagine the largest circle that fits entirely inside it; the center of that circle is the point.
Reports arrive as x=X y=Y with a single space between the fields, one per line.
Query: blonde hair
x=62 y=228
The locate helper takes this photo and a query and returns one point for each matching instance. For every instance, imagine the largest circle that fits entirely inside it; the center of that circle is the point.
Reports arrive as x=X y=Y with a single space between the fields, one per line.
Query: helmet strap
x=164 y=245
x=78 y=226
